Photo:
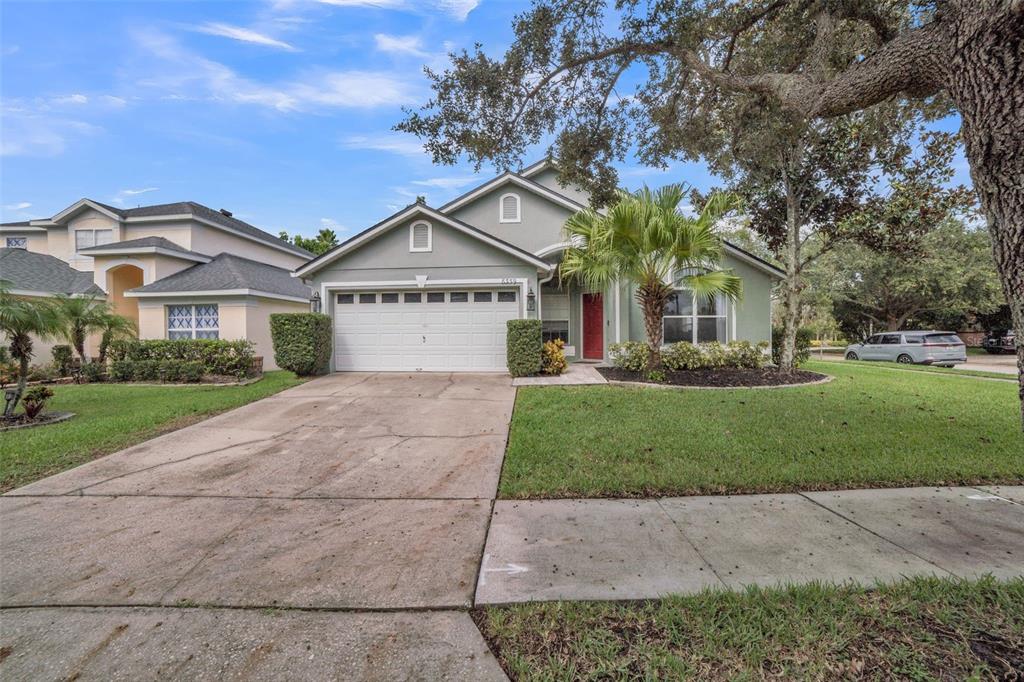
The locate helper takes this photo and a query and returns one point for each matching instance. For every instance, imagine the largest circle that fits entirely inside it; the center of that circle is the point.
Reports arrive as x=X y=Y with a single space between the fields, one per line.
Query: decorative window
x=506 y=297
x=193 y=321
x=367 y=298
x=435 y=297
x=458 y=297
x=508 y=211
x=416 y=297
x=693 y=319
x=420 y=237
x=481 y=297
x=17 y=242
x=389 y=298
x=555 y=329
x=87 y=238
x=346 y=299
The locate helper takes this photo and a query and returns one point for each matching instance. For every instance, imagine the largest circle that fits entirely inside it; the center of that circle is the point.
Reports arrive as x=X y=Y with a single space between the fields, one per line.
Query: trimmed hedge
x=524 y=347
x=174 y=371
x=62 y=356
x=803 y=345
x=680 y=356
x=215 y=356
x=302 y=342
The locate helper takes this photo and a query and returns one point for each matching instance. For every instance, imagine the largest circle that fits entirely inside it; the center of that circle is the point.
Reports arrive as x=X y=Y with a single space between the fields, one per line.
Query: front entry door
x=593 y=327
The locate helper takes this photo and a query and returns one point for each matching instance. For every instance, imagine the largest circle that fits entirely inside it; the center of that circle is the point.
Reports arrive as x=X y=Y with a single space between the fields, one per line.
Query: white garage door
x=445 y=331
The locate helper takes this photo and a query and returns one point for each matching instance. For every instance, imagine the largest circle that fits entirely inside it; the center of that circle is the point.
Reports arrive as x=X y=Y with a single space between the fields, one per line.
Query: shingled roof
x=37 y=272
x=144 y=243
x=227 y=272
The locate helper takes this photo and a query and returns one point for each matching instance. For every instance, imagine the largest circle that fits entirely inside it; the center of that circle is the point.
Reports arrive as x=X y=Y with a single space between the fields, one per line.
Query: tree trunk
x=985 y=78
x=792 y=285
x=78 y=338
x=20 y=344
x=653 y=297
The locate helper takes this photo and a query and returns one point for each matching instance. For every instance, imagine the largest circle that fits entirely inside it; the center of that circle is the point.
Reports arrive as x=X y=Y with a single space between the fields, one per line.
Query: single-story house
x=432 y=288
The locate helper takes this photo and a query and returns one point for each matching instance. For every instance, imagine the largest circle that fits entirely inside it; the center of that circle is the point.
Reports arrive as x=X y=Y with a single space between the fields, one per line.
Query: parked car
x=944 y=349
x=1000 y=341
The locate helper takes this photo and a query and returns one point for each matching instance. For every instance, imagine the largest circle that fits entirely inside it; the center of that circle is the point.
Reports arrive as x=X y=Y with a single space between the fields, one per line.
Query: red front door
x=593 y=327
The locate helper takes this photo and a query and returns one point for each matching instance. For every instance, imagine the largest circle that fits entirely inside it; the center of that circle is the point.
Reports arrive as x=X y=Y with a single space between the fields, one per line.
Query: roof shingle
x=226 y=272
x=28 y=271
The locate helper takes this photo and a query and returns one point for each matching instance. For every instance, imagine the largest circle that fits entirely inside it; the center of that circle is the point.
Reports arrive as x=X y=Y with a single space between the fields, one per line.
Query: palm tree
x=82 y=316
x=20 y=320
x=646 y=240
x=114 y=328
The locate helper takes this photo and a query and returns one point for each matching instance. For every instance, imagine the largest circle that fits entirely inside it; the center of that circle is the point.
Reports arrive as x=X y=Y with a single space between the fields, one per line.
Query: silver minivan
x=944 y=349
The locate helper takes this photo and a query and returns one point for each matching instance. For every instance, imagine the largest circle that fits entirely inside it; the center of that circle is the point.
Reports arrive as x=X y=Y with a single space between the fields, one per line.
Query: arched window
x=508 y=211
x=420 y=237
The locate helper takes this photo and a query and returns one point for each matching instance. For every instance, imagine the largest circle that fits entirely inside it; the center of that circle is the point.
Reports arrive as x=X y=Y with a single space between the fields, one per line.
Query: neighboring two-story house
x=179 y=270
x=432 y=289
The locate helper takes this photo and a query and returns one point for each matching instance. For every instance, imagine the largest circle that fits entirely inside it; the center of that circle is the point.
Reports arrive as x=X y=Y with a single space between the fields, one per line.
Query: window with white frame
x=193 y=321
x=87 y=238
x=17 y=242
x=509 y=211
x=693 y=318
x=420 y=237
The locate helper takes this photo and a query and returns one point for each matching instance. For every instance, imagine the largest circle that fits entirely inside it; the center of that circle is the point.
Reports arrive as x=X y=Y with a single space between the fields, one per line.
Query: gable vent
x=510 y=208
x=419 y=240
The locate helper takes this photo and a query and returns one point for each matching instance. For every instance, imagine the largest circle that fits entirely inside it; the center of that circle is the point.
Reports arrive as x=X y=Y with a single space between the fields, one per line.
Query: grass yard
x=923 y=628
x=870 y=427
x=113 y=416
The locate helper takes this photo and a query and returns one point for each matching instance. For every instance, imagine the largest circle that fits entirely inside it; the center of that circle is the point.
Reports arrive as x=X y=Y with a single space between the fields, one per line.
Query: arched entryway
x=120 y=279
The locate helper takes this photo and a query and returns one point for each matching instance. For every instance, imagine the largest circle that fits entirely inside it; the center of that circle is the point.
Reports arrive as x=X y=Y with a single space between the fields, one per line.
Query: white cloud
x=20 y=206
x=33 y=131
x=187 y=75
x=10 y=50
x=411 y=45
x=123 y=195
x=396 y=144
x=242 y=34
x=457 y=9
x=332 y=224
x=76 y=98
x=444 y=183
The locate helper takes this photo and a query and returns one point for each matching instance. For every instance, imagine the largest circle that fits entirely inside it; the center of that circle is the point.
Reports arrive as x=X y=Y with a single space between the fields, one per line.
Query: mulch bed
x=717 y=378
x=20 y=421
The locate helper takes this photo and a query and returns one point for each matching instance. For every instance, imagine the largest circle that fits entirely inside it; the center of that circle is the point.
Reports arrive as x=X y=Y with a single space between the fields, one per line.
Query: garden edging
x=824 y=380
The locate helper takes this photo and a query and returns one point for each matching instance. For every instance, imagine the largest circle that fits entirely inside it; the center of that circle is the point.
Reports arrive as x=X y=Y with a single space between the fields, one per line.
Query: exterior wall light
x=531 y=301
x=315 y=302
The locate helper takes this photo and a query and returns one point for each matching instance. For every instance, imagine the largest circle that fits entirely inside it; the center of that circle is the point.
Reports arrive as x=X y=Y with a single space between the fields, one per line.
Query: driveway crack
x=690 y=542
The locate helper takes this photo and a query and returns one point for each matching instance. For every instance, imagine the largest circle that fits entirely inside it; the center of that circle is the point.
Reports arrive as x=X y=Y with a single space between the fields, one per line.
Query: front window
x=193 y=321
x=88 y=238
x=555 y=329
x=17 y=242
x=694 y=319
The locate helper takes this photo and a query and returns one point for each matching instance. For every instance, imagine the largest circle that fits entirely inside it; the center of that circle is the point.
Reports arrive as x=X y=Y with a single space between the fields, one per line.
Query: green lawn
x=870 y=426
x=113 y=416
x=924 y=628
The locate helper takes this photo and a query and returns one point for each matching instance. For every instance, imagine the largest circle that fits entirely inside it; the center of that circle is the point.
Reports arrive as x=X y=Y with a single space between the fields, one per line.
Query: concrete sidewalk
x=635 y=549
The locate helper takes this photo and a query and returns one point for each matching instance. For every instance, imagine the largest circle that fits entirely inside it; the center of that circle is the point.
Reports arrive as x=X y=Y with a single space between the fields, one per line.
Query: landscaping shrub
x=631 y=355
x=42 y=373
x=302 y=342
x=803 y=345
x=170 y=370
x=146 y=370
x=554 y=362
x=191 y=372
x=218 y=356
x=745 y=355
x=682 y=355
x=62 y=359
x=93 y=372
x=122 y=370
x=35 y=399
x=524 y=347
x=713 y=355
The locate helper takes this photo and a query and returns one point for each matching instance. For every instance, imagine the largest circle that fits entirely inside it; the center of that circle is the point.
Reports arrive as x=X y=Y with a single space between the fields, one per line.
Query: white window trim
x=94 y=244
x=192 y=330
x=722 y=314
x=501 y=208
x=412 y=237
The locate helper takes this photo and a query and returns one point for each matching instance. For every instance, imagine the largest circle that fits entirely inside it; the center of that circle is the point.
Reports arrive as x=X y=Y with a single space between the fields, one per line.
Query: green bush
x=42 y=373
x=631 y=355
x=191 y=372
x=524 y=347
x=93 y=372
x=682 y=355
x=146 y=370
x=302 y=342
x=122 y=370
x=713 y=355
x=745 y=355
x=803 y=345
x=170 y=370
x=553 y=362
x=62 y=359
x=218 y=356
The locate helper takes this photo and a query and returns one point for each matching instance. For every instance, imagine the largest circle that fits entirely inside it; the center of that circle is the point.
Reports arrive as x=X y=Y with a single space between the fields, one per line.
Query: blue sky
x=280 y=111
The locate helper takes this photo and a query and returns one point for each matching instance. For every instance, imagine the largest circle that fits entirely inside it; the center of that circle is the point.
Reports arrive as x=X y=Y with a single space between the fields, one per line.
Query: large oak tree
x=563 y=71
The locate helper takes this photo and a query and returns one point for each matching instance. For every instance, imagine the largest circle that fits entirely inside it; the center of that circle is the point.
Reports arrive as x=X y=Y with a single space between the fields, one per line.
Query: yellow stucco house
x=180 y=270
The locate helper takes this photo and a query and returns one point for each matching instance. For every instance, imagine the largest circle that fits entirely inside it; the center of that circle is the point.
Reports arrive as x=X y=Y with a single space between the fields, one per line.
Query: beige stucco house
x=179 y=270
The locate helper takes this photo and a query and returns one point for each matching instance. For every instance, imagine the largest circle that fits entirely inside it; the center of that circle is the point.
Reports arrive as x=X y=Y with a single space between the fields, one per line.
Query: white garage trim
x=421 y=282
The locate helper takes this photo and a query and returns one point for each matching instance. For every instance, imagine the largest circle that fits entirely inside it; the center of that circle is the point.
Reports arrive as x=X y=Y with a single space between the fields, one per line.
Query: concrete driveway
x=366 y=495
